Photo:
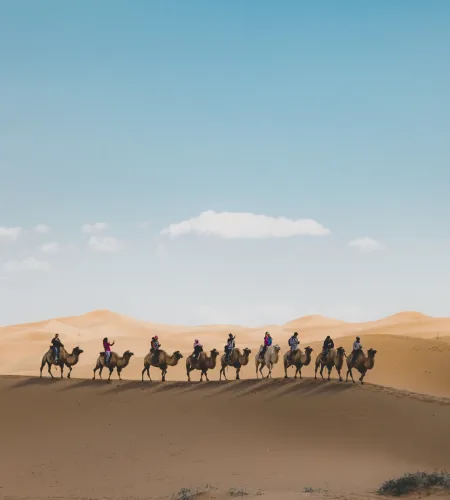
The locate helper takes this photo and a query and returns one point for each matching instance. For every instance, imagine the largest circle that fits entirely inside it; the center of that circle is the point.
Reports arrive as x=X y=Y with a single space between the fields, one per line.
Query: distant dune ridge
x=413 y=350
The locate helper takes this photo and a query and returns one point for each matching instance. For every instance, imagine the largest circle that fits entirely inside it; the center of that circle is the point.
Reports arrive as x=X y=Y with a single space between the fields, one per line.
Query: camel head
x=276 y=348
x=340 y=350
x=77 y=350
x=371 y=353
x=214 y=353
x=309 y=350
x=247 y=351
x=178 y=354
x=128 y=354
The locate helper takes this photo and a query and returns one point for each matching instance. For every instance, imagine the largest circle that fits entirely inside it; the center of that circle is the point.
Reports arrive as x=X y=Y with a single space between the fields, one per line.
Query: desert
x=270 y=438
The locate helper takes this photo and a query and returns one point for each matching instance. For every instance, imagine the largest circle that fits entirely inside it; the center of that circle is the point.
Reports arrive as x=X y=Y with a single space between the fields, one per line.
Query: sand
x=273 y=439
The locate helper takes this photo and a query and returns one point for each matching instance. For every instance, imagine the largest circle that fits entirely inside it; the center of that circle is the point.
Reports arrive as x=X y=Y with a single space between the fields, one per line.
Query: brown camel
x=237 y=360
x=65 y=358
x=335 y=358
x=299 y=359
x=203 y=363
x=115 y=361
x=271 y=357
x=164 y=361
x=362 y=363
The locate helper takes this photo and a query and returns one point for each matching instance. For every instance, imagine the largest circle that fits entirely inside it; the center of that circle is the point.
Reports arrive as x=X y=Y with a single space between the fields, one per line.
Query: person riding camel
x=356 y=348
x=107 y=347
x=267 y=343
x=56 y=346
x=229 y=347
x=198 y=348
x=327 y=345
x=293 y=344
x=154 y=349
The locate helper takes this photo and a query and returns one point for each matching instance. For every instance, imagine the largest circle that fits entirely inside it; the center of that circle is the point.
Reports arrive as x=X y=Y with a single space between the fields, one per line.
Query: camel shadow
x=36 y=381
x=266 y=386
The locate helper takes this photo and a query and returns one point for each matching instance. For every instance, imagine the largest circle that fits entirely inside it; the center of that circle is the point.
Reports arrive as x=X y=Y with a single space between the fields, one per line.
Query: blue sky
x=155 y=112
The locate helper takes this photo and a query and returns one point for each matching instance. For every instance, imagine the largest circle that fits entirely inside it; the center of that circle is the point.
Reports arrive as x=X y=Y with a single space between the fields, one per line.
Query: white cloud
x=42 y=228
x=366 y=244
x=53 y=247
x=106 y=244
x=10 y=233
x=94 y=228
x=26 y=265
x=245 y=225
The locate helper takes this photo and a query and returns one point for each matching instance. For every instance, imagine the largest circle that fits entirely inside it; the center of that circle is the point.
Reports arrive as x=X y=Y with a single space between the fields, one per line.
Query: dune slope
x=75 y=439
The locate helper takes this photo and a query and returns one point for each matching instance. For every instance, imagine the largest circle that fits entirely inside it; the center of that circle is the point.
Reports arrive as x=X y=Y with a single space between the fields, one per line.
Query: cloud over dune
x=235 y=225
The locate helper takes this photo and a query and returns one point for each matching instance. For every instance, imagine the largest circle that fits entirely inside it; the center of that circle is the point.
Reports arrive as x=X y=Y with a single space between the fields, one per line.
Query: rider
x=198 y=348
x=267 y=343
x=327 y=345
x=229 y=347
x=154 y=349
x=107 y=347
x=293 y=344
x=56 y=345
x=356 y=348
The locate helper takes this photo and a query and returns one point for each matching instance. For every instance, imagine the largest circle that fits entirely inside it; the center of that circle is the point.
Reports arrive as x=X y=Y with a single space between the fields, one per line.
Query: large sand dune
x=88 y=439
x=413 y=349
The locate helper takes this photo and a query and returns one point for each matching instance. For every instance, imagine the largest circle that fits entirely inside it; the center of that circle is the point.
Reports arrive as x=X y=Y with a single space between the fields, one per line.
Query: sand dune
x=282 y=439
x=409 y=354
x=85 y=439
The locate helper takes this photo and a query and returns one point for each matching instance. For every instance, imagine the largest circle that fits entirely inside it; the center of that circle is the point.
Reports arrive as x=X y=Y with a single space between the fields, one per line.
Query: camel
x=299 y=359
x=335 y=358
x=271 y=357
x=164 y=361
x=203 y=363
x=362 y=363
x=237 y=360
x=65 y=358
x=115 y=361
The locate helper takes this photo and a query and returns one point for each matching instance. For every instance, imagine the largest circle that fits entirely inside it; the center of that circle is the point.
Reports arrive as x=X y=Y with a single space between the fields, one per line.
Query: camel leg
x=220 y=374
x=143 y=371
x=42 y=367
x=329 y=373
x=110 y=373
x=261 y=369
x=206 y=375
x=100 y=372
x=349 y=372
x=95 y=369
x=237 y=373
x=61 y=367
x=339 y=373
x=363 y=374
x=118 y=373
x=285 y=371
x=257 y=366
x=188 y=371
x=49 y=367
x=163 y=375
x=70 y=371
x=270 y=372
x=315 y=371
x=321 y=370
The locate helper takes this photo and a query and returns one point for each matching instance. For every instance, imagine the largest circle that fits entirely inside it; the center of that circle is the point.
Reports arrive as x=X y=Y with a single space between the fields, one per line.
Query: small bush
x=187 y=494
x=233 y=492
x=411 y=483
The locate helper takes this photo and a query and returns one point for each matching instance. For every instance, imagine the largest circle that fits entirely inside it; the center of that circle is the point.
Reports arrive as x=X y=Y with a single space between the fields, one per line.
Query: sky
x=224 y=162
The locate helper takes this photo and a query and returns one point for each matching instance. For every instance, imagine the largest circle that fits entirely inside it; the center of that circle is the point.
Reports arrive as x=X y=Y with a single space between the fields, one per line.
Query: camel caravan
x=267 y=357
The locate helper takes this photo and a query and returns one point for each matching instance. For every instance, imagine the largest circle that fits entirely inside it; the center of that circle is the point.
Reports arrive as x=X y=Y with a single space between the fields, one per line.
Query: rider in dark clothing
x=229 y=347
x=154 y=349
x=327 y=345
x=56 y=345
